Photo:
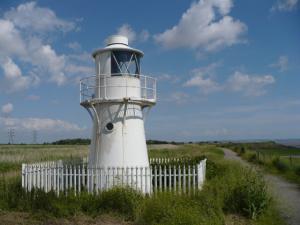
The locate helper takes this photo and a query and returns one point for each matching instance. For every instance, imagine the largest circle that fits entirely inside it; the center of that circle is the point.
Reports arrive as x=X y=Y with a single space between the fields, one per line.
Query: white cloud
x=203 y=78
x=14 y=80
x=7 y=108
x=144 y=35
x=127 y=31
x=167 y=77
x=45 y=58
x=83 y=70
x=39 y=124
x=11 y=70
x=33 y=97
x=132 y=36
x=215 y=132
x=74 y=46
x=31 y=17
x=284 y=5
x=250 y=85
x=206 y=85
x=11 y=42
x=178 y=97
x=282 y=63
x=21 y=42
x=205 y=26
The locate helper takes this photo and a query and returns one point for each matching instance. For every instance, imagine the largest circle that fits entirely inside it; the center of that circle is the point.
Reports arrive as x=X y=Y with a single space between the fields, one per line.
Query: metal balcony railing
x=116 y=87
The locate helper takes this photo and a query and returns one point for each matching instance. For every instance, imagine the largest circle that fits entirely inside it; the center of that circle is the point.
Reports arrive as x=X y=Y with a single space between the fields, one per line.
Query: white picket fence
x=179 y=178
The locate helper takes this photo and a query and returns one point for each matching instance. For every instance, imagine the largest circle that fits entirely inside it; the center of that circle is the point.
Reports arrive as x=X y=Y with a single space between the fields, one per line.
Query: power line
x=34 y=137
x=11 y=135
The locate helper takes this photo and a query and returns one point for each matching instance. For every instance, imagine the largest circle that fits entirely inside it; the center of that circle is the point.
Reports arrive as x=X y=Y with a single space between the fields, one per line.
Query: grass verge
x=229 y=190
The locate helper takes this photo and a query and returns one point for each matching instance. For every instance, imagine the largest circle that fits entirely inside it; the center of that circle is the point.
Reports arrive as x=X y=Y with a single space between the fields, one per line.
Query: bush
x=297 y=170
x=167 y=208
x=124 y=201
x=252 y=157
x=240 y=190
x=214 y=169
x=249 y=197
x=242 y=151
x=278 y=164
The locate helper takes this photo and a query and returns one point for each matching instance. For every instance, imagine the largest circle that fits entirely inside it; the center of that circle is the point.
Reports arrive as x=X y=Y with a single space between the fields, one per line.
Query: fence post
x=179 y=179
x=170 y=178
x=184 y=179
x=189 y=179
x=200 y=174
x=175 y=179
x=146 y=180
x=29 y=170
x=23 y=175
x=160 y=178
x=136 y=178
x=194 y=179
x=155 y=178
x=141 y=177
x=131 y=177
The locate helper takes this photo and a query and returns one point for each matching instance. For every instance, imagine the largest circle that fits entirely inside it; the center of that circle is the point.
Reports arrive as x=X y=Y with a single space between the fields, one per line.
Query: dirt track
x=286 y=193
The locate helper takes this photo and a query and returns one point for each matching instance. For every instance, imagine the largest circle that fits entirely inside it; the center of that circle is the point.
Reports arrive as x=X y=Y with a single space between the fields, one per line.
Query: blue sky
x=226 y=70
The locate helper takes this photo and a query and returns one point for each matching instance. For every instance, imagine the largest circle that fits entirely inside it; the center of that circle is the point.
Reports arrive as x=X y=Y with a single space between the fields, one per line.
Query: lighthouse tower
x=116 y=98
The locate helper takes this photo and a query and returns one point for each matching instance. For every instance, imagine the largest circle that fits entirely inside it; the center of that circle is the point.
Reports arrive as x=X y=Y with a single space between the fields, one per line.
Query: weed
x=279 y=165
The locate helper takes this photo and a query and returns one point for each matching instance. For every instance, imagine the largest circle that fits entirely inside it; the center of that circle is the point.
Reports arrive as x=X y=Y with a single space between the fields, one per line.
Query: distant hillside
x=75 y=141
x=156 y=142
x=81 y=141
x=289 y=142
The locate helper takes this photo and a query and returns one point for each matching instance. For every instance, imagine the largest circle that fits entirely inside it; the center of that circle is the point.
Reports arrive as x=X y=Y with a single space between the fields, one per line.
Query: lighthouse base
x=118 y=138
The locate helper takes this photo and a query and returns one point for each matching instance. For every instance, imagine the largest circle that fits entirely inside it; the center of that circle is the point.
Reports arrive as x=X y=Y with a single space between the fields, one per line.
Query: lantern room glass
x=125 y=63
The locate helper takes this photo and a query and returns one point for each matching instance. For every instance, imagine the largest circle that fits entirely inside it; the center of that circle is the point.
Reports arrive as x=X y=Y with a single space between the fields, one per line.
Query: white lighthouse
x=116 y=98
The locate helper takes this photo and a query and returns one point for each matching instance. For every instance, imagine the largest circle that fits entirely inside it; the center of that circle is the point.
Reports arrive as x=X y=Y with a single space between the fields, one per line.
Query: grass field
x=275 y=158
x=12 y=156
x=231 y=195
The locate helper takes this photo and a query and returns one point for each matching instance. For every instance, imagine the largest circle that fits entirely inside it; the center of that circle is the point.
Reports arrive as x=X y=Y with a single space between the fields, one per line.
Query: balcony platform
x=118 y=88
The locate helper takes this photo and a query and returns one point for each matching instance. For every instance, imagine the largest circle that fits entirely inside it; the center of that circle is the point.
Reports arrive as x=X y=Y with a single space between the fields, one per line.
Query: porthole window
x=109 y=126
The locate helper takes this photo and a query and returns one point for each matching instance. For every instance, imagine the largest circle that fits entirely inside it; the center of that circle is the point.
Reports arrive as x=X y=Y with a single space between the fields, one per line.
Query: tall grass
x=12 y=156
x=230 y=188
x=273 y=162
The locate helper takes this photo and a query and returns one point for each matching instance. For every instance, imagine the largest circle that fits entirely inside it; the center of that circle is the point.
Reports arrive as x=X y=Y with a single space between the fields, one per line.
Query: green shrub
x=214 y=169
x=297 y=170
x=250 y=196
x=240 y=190
x=278 y=164
x=167 y=208
x=252 y=157
x=242 y=150
x=124 y=201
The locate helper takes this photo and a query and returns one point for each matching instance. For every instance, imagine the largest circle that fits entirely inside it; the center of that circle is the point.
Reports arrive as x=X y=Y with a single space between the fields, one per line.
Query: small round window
x=109 y=126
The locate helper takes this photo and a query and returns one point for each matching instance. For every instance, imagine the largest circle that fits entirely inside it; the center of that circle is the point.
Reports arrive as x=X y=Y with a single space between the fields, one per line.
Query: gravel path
x=287 y=194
